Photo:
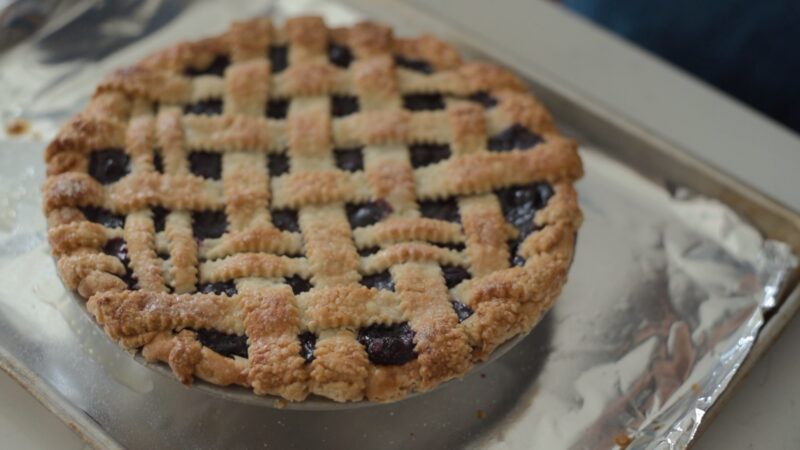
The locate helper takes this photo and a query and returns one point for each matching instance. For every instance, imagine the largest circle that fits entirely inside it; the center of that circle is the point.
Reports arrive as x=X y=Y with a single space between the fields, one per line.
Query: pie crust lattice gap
x=305 y=210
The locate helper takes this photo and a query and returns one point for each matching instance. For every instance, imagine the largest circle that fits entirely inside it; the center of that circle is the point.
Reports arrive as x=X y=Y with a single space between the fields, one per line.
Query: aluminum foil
x=665 y=298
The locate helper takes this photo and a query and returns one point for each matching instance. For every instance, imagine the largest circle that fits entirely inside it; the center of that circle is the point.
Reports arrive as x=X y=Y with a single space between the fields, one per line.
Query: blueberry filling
x=208 y=224
x=388 y=345
x=366 y=251
x=381 y=280
x=223 y=343
x=204 y=107
x=119 y=248
x=342 y=105
x=423 y=102
x=453 y=275
x=277 y=109
x=285 y=219
x=298 y=285
x=515 y=136
x=520 y=203
x=463 y=311
x=516 y=260
x=426 y=154
x=413 y=64
x=351 y=160
x=308 y=341
x=455 y=246
x=484 y=99
x=206 y=164
x=223 y=287
x=108 y=166
x=217 y=67
x=278 y=57
x=103 y=217
x=159 y=218
x=367 y=213
x=340 y=55
x=158 y=162
x=446 y=209
x=277 y=164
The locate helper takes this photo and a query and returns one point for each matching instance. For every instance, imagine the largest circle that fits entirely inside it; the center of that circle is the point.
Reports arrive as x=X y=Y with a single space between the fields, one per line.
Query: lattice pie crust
x=305 y=210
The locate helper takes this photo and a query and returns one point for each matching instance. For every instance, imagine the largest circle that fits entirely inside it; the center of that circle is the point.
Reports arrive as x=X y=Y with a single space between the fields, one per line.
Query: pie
x=305 y=210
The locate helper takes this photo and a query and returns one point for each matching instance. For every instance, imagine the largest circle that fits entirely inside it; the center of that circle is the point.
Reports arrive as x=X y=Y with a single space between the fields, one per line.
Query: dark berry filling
x=446 y=209
x=343 y=105
x=423 y=102
x=285 y=219
x=515 y=136
x=278 y=57
x=367 y=213
x=351 y=160
x=158 y=162
x=159 y=218
x=453 y=275
x=298 y=285
x=208 y=224
x=520 y=203
x=277 y=109
x=223 y=287
x=413 y=64
x=277 y=164
x=108 y=166
x=204 y=107
x=381 y=280
x=366 y=251
x=388 y=345
x=103 y=217
x=223 y=343
x=340 y=55
x=463 y=311
x=206 y=164
x=484 y=99
x=308 y=341
x=426 y=154
x=516 y=260
x=119 y=248
x=455 y=246
x=217 y=67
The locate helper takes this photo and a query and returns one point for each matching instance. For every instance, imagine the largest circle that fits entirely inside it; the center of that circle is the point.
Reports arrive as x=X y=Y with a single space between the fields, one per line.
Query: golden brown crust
x=140 y=110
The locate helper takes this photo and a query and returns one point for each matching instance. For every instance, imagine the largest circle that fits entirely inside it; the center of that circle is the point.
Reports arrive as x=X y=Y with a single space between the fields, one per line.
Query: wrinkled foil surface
x=665 y=298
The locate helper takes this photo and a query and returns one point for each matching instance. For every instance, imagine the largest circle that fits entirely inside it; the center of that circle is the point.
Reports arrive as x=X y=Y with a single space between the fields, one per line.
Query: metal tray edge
x=770 y=217
x=74 y=418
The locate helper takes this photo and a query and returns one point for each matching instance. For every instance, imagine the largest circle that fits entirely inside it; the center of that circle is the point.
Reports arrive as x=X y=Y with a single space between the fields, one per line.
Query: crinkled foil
x=665 y=298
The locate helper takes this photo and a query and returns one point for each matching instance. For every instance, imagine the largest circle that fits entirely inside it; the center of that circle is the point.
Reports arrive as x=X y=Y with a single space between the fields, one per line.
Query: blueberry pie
x=305 y=210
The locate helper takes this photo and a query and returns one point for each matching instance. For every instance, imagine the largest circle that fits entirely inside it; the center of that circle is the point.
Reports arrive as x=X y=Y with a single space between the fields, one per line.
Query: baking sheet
x=665 y=297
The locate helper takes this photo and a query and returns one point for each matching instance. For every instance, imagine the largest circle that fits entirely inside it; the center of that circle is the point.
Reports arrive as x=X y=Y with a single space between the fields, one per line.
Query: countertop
x=762 y=413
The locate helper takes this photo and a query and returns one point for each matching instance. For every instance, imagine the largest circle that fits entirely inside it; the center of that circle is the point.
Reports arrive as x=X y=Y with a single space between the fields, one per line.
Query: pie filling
x=390 y=345
x=119 y=248
x=220 y=288
x=204 y=108
x=109 y=165
x=223 y=343
x=351 y=160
